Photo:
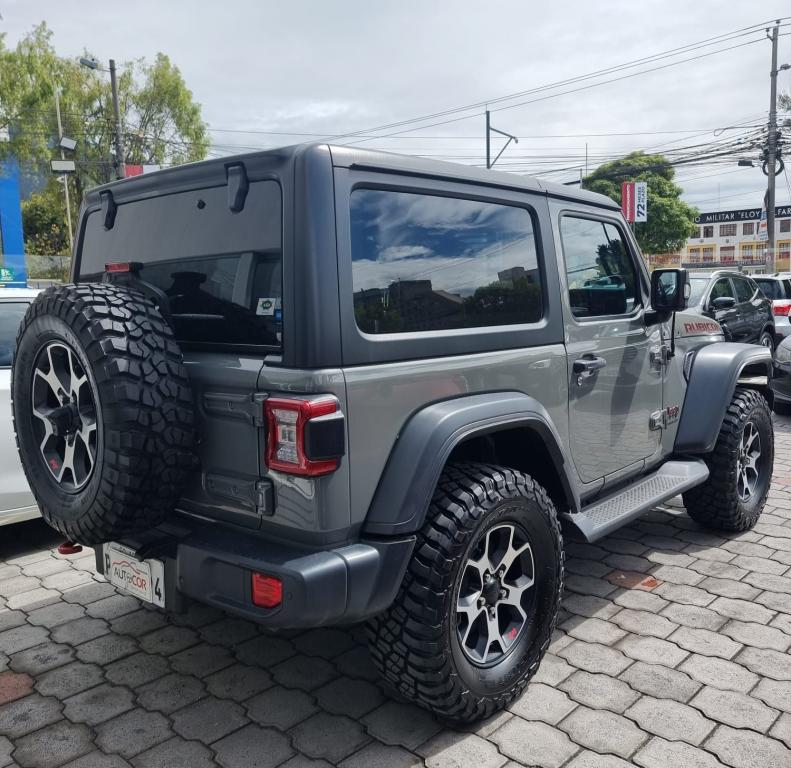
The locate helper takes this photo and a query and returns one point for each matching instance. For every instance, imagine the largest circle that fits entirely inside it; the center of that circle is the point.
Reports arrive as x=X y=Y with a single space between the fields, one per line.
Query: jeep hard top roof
x=213 y=172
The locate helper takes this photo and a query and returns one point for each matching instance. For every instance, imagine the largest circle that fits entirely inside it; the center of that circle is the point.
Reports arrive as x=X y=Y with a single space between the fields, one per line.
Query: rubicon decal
x=702 y=327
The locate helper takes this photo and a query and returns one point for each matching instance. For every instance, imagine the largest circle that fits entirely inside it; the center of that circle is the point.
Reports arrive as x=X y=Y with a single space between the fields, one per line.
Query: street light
x=91 y=63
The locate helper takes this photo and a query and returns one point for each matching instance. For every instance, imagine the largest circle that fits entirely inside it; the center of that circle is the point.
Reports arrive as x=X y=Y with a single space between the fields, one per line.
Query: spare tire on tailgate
x=103 y=411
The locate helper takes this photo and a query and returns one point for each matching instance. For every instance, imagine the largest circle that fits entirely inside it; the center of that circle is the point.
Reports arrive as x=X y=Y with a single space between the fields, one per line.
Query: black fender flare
x=716 y=371
x=424 y=444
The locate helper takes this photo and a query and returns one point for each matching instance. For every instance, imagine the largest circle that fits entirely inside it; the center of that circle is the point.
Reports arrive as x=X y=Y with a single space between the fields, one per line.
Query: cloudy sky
x=270 y=73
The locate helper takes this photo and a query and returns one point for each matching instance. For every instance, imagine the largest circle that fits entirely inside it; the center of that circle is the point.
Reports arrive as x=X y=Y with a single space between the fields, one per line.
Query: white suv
x=16 y=500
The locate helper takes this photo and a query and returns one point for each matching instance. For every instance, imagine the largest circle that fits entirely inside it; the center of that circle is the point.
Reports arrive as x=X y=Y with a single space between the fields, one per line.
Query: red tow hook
x=69 y=548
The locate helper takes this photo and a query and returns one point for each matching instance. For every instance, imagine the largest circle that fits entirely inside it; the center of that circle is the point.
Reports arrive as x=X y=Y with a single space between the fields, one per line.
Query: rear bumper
x=782 y=328
x=320 y=587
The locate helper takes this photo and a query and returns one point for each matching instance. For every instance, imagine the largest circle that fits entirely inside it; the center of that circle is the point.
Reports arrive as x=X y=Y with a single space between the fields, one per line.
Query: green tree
x=670 y=219
x=162 y=122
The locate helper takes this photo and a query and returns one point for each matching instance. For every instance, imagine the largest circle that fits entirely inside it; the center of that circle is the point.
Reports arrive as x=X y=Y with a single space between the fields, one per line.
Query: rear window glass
x=773 y=289
x=11 y=315
x=426 y=262
x=222 y=271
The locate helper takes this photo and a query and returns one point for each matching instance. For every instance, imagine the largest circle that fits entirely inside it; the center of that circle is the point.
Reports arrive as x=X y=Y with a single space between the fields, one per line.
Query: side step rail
x=606 y=515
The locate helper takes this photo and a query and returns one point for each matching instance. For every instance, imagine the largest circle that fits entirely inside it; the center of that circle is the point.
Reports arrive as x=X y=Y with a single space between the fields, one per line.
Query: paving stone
x=596 y=658
x=53 y=615
x=757 y=635
x=17 y=585
x=106 y=649
x=680 y=593
x=451 y=750
x=326 y=642
x=378 y=755
x=45 y=567
x=169 y=640
x=588 y=567
x=79 y=631
x=705 y=642
x=170 y=693
x=42 y=658
x=305 y=672
x=67 y=579
x=782 y=622
x=28 y=714
x=590 y=605
x=175 y=753
x=652 y=650
x=14 y=685
x=541 y=702
x=729 y=588
x=766 y=663
x=552 y=670
x=228 y=632
x=694 y=616
x=112 y=607
x=197 y=615
x=88 y=593
x=742 y=610
x=133 y=732
x=671 y=720
x=775 y=693
x=770 y=583
x=592 y=630
x=331 y=737
x=264 y=651
x=208 y=719
x=69 y=680
x=744 y=749
x=659 y=753
x=719 y=673
x=640 y=600
x=54 y=745
x=6 y=748
x=238 y=682
x=22 y=637
x=201 y=660
x=280 y=707
x=535 y=744
x=253 y=747
x=718 y=569
x=776 y=601
x=594 y=760
x=734 y=709
x=353 y=698
x=760 y=565
x=138 y=623
x=661 y=682
x=603 y=731
x=780 y=730
x=401 y=724
x=598 y=692
x=98 y=704
x=137 y=669
x=11 y=619
x=676 y=575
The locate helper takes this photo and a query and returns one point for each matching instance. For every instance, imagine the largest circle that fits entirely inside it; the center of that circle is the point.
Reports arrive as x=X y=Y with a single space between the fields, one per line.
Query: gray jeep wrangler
x=318 y=385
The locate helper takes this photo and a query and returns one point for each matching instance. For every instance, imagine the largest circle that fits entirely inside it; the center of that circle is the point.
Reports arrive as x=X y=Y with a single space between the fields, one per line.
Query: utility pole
x=771 y=155
x=64 y=178
x=120 y=168
x=489 y=129
x=488 y=142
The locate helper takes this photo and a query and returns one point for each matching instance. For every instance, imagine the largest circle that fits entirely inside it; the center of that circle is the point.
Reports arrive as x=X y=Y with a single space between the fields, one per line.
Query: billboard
x=634 y=201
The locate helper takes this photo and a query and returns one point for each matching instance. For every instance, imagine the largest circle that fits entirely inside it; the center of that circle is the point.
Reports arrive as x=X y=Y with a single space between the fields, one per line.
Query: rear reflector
x=287 y=449
x=267 y=591
x=120 y=267
x=781 y=308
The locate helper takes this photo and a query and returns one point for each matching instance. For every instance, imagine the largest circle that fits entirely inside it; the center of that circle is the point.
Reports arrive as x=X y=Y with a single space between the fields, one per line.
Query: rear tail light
x=122 y=267
x=267 y=591
x=781 y=308
x=304 y=436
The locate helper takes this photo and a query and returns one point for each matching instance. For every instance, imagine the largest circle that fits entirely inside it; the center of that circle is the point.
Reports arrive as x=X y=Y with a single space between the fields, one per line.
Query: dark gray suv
x=318 y=385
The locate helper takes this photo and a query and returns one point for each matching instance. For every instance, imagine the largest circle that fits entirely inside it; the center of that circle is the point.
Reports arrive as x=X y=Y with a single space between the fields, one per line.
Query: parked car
x=16 y=499
x=402 y=374
x=735 y=301
x=777 y=288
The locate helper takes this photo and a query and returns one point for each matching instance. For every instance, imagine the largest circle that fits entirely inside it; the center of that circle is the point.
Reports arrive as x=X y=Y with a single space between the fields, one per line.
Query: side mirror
x=669 y=290
x=723 y=302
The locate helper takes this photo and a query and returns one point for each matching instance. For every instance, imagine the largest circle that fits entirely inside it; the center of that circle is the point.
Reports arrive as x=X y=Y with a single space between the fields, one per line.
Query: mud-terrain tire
x=722 y=502
x=102 y=409
x=425 y=645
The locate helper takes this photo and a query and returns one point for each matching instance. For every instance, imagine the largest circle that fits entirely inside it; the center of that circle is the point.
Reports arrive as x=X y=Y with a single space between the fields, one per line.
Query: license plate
x=144 y=579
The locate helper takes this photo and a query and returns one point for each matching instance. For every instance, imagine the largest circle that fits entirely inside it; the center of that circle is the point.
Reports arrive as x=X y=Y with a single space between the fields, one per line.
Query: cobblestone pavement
x=672 y=650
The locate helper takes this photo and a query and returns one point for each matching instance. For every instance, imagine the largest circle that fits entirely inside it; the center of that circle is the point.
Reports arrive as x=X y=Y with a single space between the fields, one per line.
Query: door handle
x=586 y=368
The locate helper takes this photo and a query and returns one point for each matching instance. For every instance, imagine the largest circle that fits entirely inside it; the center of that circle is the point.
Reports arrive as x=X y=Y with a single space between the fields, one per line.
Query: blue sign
x=12 y=244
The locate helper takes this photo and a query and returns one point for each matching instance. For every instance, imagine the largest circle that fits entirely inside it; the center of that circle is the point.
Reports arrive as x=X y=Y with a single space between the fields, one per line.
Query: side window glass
x=744 y=291
x=721 y=289
x=602 y=279
x=11 y=315
x=786 y=289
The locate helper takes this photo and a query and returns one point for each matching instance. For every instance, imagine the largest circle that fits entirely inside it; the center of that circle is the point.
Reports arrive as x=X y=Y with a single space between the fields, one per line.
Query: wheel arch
x=508 y=428
x=716 y=371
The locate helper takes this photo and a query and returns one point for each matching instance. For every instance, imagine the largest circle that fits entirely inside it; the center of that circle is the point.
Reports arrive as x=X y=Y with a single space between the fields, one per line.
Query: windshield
x=697 y=289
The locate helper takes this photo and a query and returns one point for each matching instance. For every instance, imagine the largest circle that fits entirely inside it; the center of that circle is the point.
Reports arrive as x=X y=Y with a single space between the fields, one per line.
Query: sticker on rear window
x=267 y=307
